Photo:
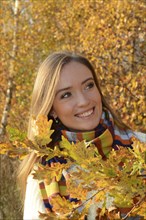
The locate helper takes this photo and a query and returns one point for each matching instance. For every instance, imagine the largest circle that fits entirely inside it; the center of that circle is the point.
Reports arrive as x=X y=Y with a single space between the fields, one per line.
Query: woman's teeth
x=85 y=114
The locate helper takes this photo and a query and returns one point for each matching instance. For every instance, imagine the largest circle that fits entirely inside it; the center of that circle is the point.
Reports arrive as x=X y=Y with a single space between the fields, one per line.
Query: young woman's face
x=77 y=101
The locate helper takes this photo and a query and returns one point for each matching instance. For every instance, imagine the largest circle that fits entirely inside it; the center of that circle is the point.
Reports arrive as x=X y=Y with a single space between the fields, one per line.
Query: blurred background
x=108 y=32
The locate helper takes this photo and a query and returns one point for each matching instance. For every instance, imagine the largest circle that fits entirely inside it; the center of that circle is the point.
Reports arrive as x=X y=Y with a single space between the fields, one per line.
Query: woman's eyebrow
x=63 y=89
x=67 y=88
x=90 y=78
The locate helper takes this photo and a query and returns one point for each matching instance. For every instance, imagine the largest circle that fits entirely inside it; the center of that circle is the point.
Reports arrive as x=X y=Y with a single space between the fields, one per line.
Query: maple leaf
x=63 y=207
x=14 y=150
x=48 y=216
x=42 y=130
x=79 y=151
x=49 y=173
x=15 y=134
x=20 y=146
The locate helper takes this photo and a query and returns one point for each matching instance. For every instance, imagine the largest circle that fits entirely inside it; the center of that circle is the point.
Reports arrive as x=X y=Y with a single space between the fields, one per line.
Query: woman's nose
x=82 y=99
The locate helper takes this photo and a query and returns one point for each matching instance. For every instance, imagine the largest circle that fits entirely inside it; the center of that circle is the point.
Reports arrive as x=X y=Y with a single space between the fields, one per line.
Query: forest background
x=109 y=32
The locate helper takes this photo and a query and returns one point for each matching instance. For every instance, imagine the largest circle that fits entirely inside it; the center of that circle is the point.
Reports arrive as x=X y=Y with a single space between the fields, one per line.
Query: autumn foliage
x=120 y=178
x=109 y=33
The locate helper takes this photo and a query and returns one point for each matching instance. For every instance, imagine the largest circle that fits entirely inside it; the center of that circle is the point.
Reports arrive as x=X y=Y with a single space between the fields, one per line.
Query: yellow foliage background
x=109 y=33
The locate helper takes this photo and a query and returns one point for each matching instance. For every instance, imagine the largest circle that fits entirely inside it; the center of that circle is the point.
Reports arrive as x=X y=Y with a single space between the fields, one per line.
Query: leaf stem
x=136 y=205
x=88 y=199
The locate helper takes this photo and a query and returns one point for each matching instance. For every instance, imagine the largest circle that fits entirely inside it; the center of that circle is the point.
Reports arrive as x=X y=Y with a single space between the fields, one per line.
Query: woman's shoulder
x=140 y=136
x=30 y=178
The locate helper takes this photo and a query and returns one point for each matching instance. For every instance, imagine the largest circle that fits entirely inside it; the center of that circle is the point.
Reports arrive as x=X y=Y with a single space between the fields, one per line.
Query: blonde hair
x=43 y=96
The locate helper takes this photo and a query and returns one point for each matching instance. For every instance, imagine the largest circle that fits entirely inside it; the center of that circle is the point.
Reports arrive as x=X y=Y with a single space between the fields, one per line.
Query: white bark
x=9 y=91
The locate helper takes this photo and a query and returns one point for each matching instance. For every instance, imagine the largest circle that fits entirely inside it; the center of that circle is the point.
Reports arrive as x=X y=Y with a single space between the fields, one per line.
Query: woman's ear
x=53 y=114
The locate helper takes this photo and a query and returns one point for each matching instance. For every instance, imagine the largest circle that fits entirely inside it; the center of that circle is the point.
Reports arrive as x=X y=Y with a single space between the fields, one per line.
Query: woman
x=67 y=90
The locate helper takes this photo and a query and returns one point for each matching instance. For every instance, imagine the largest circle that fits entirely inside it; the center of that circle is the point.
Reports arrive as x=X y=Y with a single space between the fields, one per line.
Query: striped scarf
x=105 y=137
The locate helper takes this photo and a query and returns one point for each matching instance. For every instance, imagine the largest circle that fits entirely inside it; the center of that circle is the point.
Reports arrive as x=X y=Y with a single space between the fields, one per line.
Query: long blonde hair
x=43 y=96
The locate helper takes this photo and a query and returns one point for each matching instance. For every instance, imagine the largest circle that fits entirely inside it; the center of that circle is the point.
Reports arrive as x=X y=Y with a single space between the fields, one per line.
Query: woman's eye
x=90 y=85
x=65 y=95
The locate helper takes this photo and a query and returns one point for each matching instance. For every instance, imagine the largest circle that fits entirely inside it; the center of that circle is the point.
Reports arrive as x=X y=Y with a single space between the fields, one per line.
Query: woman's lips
x=86 y=113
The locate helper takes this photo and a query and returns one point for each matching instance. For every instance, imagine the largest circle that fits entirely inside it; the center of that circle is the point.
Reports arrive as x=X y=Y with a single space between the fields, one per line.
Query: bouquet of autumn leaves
x=103 y=188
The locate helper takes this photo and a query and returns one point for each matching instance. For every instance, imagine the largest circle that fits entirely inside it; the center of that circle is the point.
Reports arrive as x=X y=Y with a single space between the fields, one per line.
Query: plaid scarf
x=105 y=137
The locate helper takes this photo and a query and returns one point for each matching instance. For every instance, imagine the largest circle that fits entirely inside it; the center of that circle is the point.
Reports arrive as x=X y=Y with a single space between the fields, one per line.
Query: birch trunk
x=10 y=86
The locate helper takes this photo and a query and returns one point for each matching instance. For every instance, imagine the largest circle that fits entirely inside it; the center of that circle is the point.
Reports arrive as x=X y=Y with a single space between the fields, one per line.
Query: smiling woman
x=77 y=102
x=67 y=91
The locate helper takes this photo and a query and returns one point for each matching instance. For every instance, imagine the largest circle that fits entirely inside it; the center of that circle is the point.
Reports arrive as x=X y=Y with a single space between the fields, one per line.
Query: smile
x=85 y=114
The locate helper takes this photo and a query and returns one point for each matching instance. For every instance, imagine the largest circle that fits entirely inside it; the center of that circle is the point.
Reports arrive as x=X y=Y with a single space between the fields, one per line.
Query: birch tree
x=12 y=57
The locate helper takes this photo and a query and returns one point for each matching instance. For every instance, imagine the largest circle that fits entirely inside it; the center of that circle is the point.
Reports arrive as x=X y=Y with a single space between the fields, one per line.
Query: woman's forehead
x=74 y=72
